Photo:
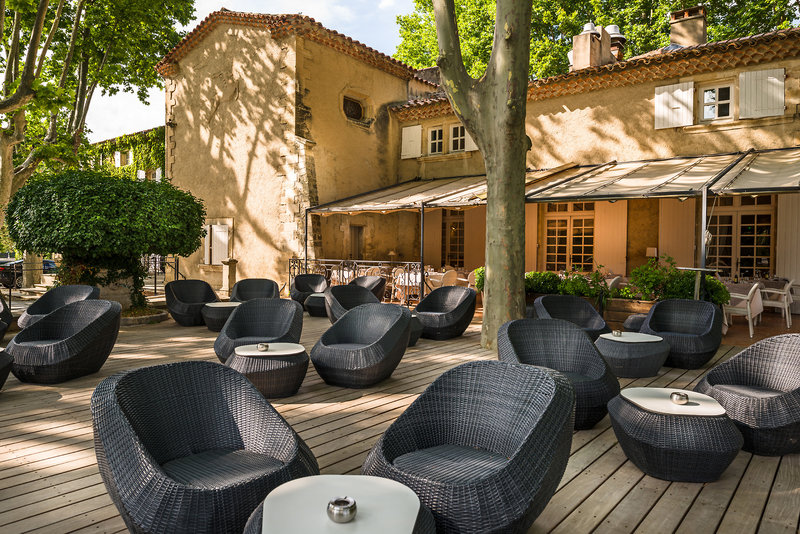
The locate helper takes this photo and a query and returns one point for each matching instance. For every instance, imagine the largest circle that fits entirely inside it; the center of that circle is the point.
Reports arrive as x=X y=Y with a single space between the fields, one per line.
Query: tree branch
x=24 y=92
x=13 y=52
x=53 y=29
x=52 y=130
x=457 y=83
x=3 y=22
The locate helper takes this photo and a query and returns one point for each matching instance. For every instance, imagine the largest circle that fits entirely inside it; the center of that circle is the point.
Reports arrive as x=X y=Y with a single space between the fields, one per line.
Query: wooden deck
x=49 y=480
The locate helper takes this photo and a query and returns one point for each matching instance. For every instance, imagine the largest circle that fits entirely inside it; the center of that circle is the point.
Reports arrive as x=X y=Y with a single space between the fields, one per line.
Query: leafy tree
x=98 y=221
x=554 y=22
x=56 y=56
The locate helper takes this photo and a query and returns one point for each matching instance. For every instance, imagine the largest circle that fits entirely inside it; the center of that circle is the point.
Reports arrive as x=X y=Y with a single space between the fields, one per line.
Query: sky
x=373 y=22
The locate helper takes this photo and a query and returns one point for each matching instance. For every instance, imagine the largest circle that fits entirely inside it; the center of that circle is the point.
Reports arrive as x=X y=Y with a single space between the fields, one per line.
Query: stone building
x=269 y=116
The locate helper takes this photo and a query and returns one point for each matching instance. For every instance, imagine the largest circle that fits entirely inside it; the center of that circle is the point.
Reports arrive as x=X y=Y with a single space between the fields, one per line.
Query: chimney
x=617 y=42
x=687 y=27
x=591 y=48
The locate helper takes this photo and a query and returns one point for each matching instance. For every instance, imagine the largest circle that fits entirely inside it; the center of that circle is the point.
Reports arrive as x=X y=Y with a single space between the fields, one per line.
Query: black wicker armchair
x=254 y=288
x=484 y=446
x=305 y=284
x=573 y=309
x=73 y=341
x=376 y=284
x=185 y=300
x=693 y=329
x=191 y=447
x=340 y=299
x=52 y=300
x=760 y=390
x=5 y=366
x=5 y=317
x=446 y=312
x=565 y=347
x=363 y=347
x=260 y=321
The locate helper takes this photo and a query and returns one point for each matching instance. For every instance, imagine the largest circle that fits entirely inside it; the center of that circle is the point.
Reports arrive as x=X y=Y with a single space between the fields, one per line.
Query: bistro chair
x=693 y=329
x=260 y=321
x=254 y=288
x=185 y=300
x=573 y=309
x=52 y=300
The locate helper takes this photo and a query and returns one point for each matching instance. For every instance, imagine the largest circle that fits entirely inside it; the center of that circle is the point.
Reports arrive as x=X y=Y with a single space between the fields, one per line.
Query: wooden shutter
x=411 y=145
x=158 y=175
x=674 y=105
x=141 y=175
x=469 y=144
x=761 y=93
x=611 y=235
x=219 y=243
x=117 y=159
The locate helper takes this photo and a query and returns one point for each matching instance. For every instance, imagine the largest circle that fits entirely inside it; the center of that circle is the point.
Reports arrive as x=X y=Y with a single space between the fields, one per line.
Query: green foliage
x=97 y=221
x=650 y=280
x=554 y=22
x=660 y=280
x=148 y=153
x=541 y=282
x=480 y=277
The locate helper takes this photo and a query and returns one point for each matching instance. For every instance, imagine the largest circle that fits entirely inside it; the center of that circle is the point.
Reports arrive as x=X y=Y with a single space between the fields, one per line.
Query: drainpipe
x=305 y=241
x=421 y=250
x=703 y=227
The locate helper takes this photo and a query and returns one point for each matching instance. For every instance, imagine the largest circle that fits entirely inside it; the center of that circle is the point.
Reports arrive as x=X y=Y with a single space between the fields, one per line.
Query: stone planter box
x=118 y=291
x=617 y=310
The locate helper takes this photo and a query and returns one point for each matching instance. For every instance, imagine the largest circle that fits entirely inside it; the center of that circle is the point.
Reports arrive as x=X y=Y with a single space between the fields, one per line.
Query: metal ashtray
x=263 y=347
x=342 y=509
x=679 y=398
x=616 y=333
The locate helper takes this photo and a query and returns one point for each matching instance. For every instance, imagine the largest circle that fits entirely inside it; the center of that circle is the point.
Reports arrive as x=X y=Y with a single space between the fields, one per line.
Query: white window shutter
x=141 y=175
x=219 y=243
x=117 y=159
x=411 y=143
x=469 y=144
x=158 y=174
x=130 y=156
x=207 y=247
x=761 y=93
x=674 y=105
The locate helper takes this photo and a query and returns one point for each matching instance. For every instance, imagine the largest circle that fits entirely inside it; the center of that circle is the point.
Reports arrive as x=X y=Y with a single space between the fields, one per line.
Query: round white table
x=657 y=400
x=633 y=355
x=300 y=506
x=277 y=372
x=215 y=314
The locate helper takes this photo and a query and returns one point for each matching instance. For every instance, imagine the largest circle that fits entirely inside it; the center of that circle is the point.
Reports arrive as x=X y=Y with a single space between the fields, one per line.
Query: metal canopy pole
x=305 y=241
x=703 y=225
x=421 y=250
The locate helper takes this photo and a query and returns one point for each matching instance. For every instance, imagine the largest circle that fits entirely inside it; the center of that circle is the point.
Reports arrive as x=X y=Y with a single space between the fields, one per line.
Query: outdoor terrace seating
x=305 y=284
x=693 y=329
x=52 y=300
x=340 y=299
x=260 y=321
x=565 y=347
x=446 y=312
x=254 y=288
x=5 y=366
x=185 y=300
x=573 y=309
x=760 y=390
x=484 y=446
x=191 y=447
x=5 y=317
x=72 y=341
x=376 y=284
x=363 y=347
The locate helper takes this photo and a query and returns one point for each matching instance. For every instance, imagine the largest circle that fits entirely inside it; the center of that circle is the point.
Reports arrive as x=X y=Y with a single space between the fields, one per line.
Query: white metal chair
x=773 y=297
x=747 y=305
x=449 y=278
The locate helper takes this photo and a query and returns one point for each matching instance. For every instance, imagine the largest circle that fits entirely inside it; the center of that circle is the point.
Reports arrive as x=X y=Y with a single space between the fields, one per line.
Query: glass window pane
x=709 y=112
x=724 y=93
x=724 y=110
x=710 y=95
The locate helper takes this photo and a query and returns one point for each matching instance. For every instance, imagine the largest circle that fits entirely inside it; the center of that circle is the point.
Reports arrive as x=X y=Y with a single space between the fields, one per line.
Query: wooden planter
x=617 y=310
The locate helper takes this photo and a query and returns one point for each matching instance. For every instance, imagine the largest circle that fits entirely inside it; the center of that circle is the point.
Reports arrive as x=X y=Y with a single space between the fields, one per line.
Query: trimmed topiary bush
x=99 y=222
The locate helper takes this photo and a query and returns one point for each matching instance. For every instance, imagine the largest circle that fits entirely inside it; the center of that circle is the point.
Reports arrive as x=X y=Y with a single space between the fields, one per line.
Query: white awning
x=751 y=172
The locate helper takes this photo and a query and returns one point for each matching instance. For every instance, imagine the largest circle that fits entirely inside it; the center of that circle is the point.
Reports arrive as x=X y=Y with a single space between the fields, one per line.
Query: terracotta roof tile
x=279 y=26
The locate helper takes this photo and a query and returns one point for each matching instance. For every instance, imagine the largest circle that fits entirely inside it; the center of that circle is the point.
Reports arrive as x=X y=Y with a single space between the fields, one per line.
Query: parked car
x=11 y=272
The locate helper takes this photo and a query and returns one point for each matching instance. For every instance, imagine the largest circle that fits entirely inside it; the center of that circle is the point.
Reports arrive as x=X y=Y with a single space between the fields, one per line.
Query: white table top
x=632 y=337
x=317 y=295
x=383 y=506
x=657 y=400
x=275 y=349
x=222 y=304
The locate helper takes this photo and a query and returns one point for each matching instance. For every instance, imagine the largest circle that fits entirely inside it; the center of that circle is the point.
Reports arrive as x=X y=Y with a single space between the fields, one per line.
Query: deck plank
x=782 y=514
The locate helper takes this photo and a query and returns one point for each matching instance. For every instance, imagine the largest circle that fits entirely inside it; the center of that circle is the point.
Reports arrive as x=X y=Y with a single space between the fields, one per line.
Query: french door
x=742 y=240
x=569 y=237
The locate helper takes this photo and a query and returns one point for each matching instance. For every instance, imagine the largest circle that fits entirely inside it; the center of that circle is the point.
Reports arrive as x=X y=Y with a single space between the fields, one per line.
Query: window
x=741 y=235
x=458 y=138
x=569 y=236
x=353 y=109
x=411 y=144
x=453 y=238
x=215 y=248
x=122 y=158
x=356 y=242
x=436 y=140
x=717 y=103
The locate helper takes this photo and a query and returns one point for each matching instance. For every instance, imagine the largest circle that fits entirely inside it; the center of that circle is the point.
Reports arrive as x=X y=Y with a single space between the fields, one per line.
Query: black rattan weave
x=363 y=347
x=693 y=329
x=52 y=300
x=185 y=300
x=633 y=360
x=273 y=376
x=760 y=390
x=315 y=305
x=415 y=330
x=633 y=323
x=674 y=447
x=191 y=447
x=446 y=312
x=305 y=284
x=75 y=340
x=567 y=348
x=5 y=317
x=5 y=366
x=260 y=321
x=484 y=446
x=573 y=309
x=254 y=288
x=340 y=299
x=376 y=284
x=215 y=317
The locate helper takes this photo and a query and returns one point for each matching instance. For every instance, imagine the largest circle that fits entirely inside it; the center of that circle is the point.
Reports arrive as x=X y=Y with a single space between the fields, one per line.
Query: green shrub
x=98 y=221
x=541 y=282
x=480 y=275
x=660 y=280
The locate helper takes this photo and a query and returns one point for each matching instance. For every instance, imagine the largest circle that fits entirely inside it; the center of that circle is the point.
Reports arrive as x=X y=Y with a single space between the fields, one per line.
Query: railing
x=402 y=277
x=165 y=265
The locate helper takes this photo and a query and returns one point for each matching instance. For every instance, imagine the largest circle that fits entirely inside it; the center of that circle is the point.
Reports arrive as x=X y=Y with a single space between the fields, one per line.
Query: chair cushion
x=218 y=468
x=347 y=346
x=755 y=392
x=451 y=464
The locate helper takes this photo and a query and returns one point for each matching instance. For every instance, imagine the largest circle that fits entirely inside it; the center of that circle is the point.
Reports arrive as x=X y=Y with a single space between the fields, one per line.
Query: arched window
x=353 y=109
